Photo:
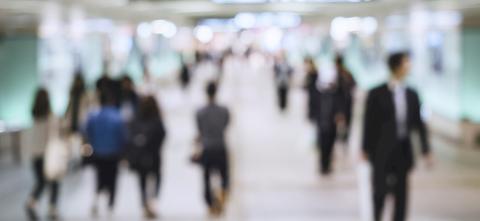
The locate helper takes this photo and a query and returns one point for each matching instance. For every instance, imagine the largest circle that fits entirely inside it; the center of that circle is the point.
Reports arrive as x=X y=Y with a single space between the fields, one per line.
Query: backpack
x=137 y=146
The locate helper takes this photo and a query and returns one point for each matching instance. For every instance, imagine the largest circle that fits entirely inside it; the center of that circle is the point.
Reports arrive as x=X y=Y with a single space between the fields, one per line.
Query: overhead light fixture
x=164 y=27
x=203 y=33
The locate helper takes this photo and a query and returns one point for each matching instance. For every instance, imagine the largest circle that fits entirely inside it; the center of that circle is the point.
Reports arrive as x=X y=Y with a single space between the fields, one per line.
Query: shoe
x=149 y=213
x=53 y=214
x=214 y=211
x=31 y=213
x=222 y=197
x=94 y=211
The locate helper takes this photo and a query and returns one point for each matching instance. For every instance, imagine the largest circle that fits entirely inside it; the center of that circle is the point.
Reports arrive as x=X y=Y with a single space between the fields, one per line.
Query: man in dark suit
x=392 y=112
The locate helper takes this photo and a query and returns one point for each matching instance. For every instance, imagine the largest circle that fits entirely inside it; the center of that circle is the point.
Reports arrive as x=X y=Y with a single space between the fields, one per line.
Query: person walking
x=147 y=134
x=283 y=73
x=43 y=127
x=311 y=87
x=326 y=121
x=106 y=133
x=345 y=88
x=392 y=113
x=212 y=122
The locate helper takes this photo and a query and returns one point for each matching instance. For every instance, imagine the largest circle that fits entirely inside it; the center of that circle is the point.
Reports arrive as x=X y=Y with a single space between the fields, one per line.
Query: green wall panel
x=470 y=89
x=18 y=78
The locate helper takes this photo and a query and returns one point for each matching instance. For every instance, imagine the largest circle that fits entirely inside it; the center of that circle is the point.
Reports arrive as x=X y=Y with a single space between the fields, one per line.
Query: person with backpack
x=147 y=134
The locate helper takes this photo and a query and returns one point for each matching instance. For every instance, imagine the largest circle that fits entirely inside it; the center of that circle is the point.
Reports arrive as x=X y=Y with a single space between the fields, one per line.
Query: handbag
x=197 y=154
x=56 y=159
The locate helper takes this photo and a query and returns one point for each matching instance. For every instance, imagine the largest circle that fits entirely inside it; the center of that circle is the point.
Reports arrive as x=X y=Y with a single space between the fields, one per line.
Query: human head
x=339 y=61
x=41 y=105
x=309 y=64
x=148 y=108
x=211 y=91
x=399 y=64
x=127 y=83
x=78 y=85
x=106 y=97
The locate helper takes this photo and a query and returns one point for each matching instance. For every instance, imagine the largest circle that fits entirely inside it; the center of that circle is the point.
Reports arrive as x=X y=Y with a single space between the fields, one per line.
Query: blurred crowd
x=120 y=122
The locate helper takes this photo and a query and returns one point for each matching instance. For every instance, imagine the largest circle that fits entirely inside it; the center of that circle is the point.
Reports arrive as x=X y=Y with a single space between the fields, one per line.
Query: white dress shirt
x=399 y=90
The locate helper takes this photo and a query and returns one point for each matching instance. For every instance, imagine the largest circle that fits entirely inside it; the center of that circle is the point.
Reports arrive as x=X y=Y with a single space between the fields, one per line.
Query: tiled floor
x=273 y=167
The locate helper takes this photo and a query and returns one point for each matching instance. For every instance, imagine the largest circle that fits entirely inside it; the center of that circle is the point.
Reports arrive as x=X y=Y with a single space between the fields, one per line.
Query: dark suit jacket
x=380 y=140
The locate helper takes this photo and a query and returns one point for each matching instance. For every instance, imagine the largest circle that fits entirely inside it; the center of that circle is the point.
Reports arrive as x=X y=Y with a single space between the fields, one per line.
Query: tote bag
x=56 y=159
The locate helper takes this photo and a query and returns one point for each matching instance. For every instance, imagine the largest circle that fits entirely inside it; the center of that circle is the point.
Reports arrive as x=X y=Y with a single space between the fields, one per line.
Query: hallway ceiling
x=25 y=14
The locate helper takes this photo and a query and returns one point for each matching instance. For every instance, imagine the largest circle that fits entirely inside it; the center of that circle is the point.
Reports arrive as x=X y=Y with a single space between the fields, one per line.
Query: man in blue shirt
x=105 y=131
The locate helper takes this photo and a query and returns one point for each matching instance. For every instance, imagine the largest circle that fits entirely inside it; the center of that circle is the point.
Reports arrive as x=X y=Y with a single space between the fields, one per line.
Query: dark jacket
x=327 y=109
x=345 y=85
x=380 y=140
x=313 y=95
x=145 y=142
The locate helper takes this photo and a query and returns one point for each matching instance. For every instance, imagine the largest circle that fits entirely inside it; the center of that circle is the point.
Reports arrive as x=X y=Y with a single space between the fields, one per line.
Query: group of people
x=392 y=112
x=116 y=125
x=130 y=126
x=329 y=106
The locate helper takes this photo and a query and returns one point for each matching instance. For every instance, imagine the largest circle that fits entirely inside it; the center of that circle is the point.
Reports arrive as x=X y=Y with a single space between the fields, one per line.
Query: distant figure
x=345 y=89
x=129 y=99
x=78 y=105
x=41 y=131
x=184 y=74
x=212 y=122
x=283 y=73
x=326 y=127
x=147 y=133
x=392 y=112
x=106 y=133
x=311 y=87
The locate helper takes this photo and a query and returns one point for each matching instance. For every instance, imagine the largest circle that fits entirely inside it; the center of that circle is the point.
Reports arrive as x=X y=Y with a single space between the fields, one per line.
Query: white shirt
x=399 y=90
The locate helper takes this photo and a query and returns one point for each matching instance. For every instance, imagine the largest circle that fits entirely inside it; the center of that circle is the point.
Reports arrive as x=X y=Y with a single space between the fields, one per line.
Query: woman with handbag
x=147 y=133
x=42 y=131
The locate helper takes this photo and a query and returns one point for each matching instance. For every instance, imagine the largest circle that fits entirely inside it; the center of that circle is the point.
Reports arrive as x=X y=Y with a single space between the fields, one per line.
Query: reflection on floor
x=273 y=164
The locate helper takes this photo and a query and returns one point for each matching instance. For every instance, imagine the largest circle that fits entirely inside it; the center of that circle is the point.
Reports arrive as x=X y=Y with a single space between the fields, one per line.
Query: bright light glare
x=447 y=18
x=165 y=28
x=273 y=39
x=203 y=33
x=144 y=30
x=288 y=20
x=369 y=25
x=341 y=27
x=245 y=20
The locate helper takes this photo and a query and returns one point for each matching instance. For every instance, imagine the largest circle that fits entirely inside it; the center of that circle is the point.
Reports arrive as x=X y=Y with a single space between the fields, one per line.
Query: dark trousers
x=215 y=161
x=41 y=181
x=392 y=179
x=282 y=97
x=107 y=171
x=143 y=177
x=326 y=141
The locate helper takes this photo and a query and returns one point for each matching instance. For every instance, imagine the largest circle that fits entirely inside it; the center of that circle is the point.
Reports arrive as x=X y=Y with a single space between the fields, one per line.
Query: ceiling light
x=203 y=33
x=164 y=27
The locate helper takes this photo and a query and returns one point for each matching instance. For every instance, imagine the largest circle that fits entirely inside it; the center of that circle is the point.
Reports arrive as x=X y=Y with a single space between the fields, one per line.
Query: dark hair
x=78 y=85
x=395 y=60
x=308 y=59
x=106 y=97
x=311 y=62
x=339 y=59
x=211 y=89
x=148 y=109
x=41 y=105
x=127 y=78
